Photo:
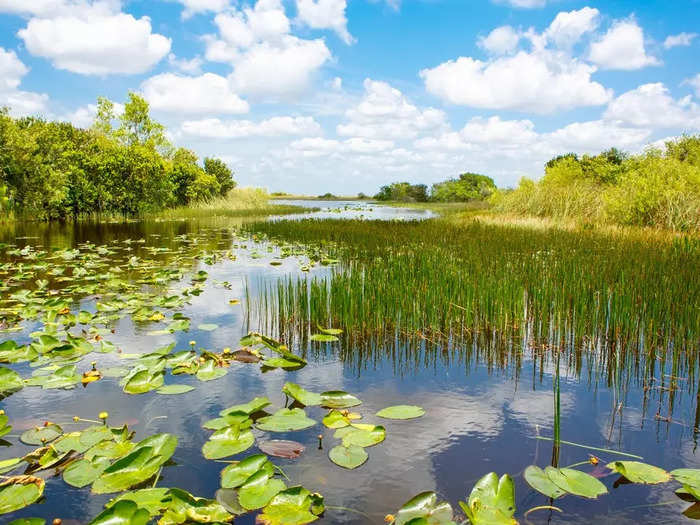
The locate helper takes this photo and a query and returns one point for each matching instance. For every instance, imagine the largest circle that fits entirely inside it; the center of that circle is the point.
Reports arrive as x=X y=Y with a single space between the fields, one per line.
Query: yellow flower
x=192 y=343
x=103 y=415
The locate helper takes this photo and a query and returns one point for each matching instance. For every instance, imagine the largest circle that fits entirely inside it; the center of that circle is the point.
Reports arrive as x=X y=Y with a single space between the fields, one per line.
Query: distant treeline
x=467 y=187
x=659 y=188
x=54 y=170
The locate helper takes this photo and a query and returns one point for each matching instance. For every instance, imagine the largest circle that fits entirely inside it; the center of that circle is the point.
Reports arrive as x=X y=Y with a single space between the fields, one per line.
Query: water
x=353 y=210
x=481 y=415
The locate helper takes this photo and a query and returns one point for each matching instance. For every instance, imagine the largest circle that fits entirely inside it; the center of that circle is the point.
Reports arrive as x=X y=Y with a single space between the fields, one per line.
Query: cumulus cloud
x=541 y=81
x=96 y=41
x=385 y=113
x=596 y=135
x=192 y=66
x=208 y=93
x=622 y=47
x=695 y=83
x=567 y=28
x=325 y=14
x=651 y=105
x=317 y=146
x=84 y=116
x=273 y=127
x=500 y=41
x=193 y=7
x=20 y=102
x=49 y=8
x=681 y=39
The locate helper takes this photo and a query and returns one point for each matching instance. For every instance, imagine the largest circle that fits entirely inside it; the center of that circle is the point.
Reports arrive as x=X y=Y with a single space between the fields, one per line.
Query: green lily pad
x=41 y=435
x=186 y=508
x=364 y=436
x=301 y=395
x=576 y=482
x=285 y=420
x=687 y=476
x=19 y=492
x=143 y=381
x=6 y=465
x=349 y=457
x=293 y=506
x=335 y=419
x=324 y=338
x=491 y=501
x=207 y=327
x=123 y=513
x=236 y=474
x=638 y=472
x=150 y=499
x=235 y=418
x=173 y=390
x=330 y=331
x=209 y=371
x=228 y=442
x=539 y=481
x=82 y=473
x=425 y=506
x=83 y=440
x=10 y=381
x=251 y=407
x=401 y=412
x=28 y=521
x=258 y=490
x=338 y=399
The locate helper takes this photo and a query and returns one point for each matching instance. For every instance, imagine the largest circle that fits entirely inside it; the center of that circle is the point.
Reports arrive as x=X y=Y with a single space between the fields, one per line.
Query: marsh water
x=483 y=413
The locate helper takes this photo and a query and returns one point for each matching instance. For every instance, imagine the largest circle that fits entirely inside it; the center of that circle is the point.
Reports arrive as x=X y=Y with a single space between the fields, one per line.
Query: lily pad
x=301 y=395
x=123 y=513
x=285 y=420
x=236 y=474
x=349 y=457
x=336 y=419
x=186 y=508
x=401 y=412
x=143 y=381
x=339 y=399
x=153 y=499
x=576 y=482
x=293 y=506
x=41 y=435
x=364 y=436
x=10 y=381
x=207 y=327
x=491 y=501
x=324 y=338
x=28 y=521
x=258 y=490
x=18 y=492
x=539 y=481
x=228 y=442
x=209 y=371
x=82 y=473
x=251 y=407
x=638 y=472
x=425 y=506
x=235 y=418
x=281 y=448
x=171 y=390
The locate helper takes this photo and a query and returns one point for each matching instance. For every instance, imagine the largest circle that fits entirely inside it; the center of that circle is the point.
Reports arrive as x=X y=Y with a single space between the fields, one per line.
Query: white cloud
x=317 y=146
x=542 y=82
x=494 y=130
x=84 y=116
x=12 y=70
x=622 y=47
x=500 y=41
x=193 y=7
x=568 y=27
x=193 y=66
x=325 y=14
x=208 y=93
x=651 y=105
x=695 y=83
x=273 y=127
x=595 y=136
x=385 y=113
x=681 y=39
x=49 y=8
x=93 y=43
x=268 y=70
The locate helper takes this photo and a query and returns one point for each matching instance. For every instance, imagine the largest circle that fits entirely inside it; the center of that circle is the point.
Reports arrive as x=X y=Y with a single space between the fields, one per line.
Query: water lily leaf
x=209 y=371
x=425 y=506
x=81 y=441
x=28 y=521
x=82 y=473
x=135 y=468
x=364 y=437
x=401 y=412
x=539 y=481
x=281 y=448
x=150 y=499
x=285 y=420
x=638 y=472
x=576 y=482
x=6 y=465
x=228 y=442
x=492 y=500
x=207 y=327
x=258 y=490
x=18 y=492
x=339 y=399
x=301 y=395
x=236 y=474
x=185 y=508
x=251 y=407
x=329 y=331
x=4 y=427
x=115 y=371
x=179 y=325
x=41 y=435
x=349 y=457
x=687 y=476
x=123 y=513
x=324 y=338
x=144 y=381
x=281 y=362
x=234 y=418
x=63 y=377
x=336 y=419
x=293 y=506
x=172 y=390
x=10 y=381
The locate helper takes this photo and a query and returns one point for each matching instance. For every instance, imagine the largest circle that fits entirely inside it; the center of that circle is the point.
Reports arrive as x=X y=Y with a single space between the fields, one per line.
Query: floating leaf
x=28 y=521
x=324 y=338
x=174 y=389
x=339 y=399
x=293 y=506
x=425 y=507
x=329 y=331
x=336 y=419
x=185 y=508
x=41 y=435
x=6 y=465
x=82 y=473
x=491 y=501
x=143 y=381
x=251 y=407
x=401 y=412
x=349 y=457
x=209 y=371
x=258 y=490
x=150 y=499
x=285 y=420
x=364 y=436
x=228 y=442
x=18 y=492
x=576 y=482
x=303 y=396
x=638 y=472
x=234 y=418
x=123 y=513
x=538 y=480
x=236 y=474
x=10 y=381
x=282 y=448
x=207 y=327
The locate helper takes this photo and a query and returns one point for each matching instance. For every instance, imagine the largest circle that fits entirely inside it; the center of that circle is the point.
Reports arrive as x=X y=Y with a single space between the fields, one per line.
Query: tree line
x=121 y=165
x=465 y=188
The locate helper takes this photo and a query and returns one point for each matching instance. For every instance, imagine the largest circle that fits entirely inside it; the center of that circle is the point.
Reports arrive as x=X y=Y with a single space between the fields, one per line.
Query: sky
x=344 y=96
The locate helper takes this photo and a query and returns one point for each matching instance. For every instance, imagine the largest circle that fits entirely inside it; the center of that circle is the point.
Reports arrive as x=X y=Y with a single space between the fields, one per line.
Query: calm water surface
x=481 y=417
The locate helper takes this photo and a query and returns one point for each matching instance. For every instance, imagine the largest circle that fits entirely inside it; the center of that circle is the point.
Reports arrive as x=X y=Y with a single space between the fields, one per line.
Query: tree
x=223 y=174
x=468 y=187
x=403 y=192
x=184 y=171
x=104 y=116
x=137 y=127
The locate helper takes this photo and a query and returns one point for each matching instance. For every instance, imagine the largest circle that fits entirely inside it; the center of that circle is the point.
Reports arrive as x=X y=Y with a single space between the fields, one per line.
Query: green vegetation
x=53 y=170
x=468 y=187
x=659 y=189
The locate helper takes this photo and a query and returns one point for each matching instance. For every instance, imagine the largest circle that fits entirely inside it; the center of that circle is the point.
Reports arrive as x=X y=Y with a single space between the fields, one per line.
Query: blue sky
x=313 y=96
